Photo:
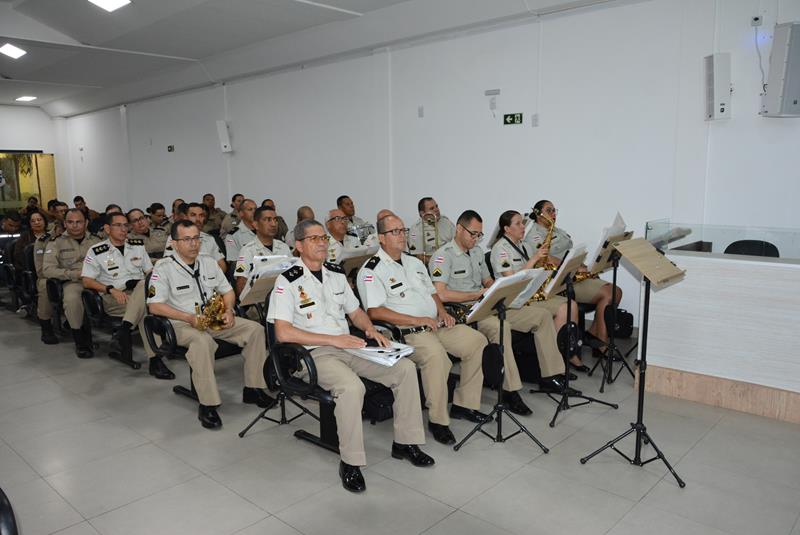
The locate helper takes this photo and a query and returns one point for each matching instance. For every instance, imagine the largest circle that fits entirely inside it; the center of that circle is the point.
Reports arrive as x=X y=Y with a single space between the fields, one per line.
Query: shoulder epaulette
x=100 y=248
x=44 y=237
x=135 y=241
x=336 y=268
x=293 y=273
x=372 y=262
x=234 y=229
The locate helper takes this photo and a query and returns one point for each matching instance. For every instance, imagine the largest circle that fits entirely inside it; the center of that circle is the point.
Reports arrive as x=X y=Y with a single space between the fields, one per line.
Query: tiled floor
x=93 y=447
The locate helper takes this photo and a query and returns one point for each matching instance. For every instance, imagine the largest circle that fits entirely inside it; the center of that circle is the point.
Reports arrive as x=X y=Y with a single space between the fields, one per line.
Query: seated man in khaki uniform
x=44 y=308
x=243 y=233
x=395 y=287
x=116 y=269
x=215 y=215
x=232 y=218
x=460 y=275
x=195 y=213
x=63 y=260
x=186 y=280
x=431 y=231
x=308 y=307
x=154 y=239
x=340 y=241
x=265 y=244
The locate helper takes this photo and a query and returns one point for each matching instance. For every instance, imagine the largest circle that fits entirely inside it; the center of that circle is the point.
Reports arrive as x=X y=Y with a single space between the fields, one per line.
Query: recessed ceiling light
x=12 y=51
x=110 y=5
x=25 y=99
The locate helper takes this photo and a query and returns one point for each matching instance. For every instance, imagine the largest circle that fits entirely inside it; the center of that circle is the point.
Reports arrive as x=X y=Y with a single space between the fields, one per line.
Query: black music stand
x=654 y=267
x=568 y=337
x=490 y=303
x=609 y=256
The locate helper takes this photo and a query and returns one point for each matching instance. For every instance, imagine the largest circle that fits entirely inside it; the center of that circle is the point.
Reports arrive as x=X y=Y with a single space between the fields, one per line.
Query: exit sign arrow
x=512 y=118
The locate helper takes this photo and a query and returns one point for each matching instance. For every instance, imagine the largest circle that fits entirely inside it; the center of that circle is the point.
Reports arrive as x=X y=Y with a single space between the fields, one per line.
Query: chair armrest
x=397 y=335
x=93 y=303
x=289 y=358
x=160 y=326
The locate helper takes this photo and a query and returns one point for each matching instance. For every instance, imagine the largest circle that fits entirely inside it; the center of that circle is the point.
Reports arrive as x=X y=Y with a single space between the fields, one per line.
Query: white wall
x=619 y=93
x=26 y=128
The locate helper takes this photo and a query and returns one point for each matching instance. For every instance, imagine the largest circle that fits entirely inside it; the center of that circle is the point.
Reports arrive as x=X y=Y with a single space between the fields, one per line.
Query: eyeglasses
x=477 y=235
x=396 y=231
x=550 y=211
x=316 y=238
x=138 y=219
x=120 y=225
x=339 y=218
x=188 y=239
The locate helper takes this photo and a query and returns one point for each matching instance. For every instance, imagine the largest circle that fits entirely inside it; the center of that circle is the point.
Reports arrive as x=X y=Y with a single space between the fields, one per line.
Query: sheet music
x=536 y=282
x=502 y=282
x=266 y=267
x=353 y=252
x=616 y=228
x=385 y=356
x=576 y=251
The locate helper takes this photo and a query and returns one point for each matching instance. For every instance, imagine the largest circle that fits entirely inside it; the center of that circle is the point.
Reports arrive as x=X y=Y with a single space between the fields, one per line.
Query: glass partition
x=723 y=239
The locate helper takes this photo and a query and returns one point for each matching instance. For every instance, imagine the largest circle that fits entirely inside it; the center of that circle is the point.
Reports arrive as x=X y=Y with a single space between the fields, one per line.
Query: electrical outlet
x=756 y=20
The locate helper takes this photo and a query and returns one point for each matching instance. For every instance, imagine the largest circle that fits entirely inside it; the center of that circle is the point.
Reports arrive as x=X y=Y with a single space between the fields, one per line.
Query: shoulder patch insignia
x=372 y=262
x=336 y=268
x=100 y=248
x=135 y=241
x=436 y=272
x=240 y=268
x=151 y=291
x=293 y=273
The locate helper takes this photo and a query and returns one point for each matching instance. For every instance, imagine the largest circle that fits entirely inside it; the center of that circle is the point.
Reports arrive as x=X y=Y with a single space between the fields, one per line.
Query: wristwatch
x=109 y=288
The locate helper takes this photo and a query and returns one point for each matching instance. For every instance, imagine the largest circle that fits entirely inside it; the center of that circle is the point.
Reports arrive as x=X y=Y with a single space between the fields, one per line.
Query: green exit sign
x=512 y=118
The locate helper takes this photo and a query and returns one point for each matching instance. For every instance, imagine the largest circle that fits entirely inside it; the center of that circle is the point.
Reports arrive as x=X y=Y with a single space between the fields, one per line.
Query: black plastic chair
x=95 y=311
x=753 y=248
x=8 y=522
x=159 y=326
x=55 y=294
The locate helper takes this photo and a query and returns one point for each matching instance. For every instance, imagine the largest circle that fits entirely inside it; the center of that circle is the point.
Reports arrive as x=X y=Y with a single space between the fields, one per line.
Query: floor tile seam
x=24 y=460
x=239 y=530
x=245 y=498
x=620 y=519
x=426 y=530
x=38 y=435
x=102 y=457
x=60 y=530
x=301 y=500
x=735 y=471
x=471 y=515
x=434 y=498
x=656 y=506
x=153 y=493
x=489 y=488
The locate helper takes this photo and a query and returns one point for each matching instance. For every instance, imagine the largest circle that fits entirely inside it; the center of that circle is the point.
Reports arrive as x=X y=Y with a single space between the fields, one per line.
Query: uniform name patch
x=184 y=287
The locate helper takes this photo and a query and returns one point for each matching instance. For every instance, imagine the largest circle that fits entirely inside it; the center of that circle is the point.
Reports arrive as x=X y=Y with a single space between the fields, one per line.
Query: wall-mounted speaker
x=782 y=98
x=718 y=86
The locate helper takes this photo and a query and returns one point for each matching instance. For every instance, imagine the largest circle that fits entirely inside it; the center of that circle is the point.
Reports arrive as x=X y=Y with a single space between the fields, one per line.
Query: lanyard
x=522 y=251
x=195 y=276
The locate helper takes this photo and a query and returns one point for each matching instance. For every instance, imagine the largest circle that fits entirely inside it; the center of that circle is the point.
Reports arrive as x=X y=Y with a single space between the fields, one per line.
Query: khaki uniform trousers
x=430 y=354
x=551 y=305
x=201 y=346
x=73 y=305
x=133 y=312
x=539 y=321
x=586 y=291
x=44 y=308
x=339 y=372
x=490 y=328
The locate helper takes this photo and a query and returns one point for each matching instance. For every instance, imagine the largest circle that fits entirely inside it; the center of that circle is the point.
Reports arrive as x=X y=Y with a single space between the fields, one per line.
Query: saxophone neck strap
x=522 y=251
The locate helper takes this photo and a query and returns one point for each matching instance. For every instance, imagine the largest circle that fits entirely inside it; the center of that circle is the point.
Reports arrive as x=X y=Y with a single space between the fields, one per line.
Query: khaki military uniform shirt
x=107 y=265
x=231 y=220
x=154 y=242
x=403 y=287
x=460 y=271
x=174 y=283
x=425 y=239
x=561 y=243
x=208 y=246
x=335 y=247
x=215 y=219
x=505 y=257
x=246 y=262
x=313 y=306
x=39 y=247
x=235 y=240
x=63 y=257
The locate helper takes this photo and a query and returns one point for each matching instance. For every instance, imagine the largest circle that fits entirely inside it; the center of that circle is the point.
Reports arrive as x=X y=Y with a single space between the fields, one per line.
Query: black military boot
x=83 y=345
x=48 y=336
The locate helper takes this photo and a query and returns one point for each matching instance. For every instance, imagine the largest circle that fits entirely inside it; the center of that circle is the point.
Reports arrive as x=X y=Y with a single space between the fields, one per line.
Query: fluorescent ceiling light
x=25 y=99
x=110 y=5
x=12 y=51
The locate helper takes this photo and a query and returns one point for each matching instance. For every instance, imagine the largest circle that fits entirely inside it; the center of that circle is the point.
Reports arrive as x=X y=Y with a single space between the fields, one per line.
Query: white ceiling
x=81 y=58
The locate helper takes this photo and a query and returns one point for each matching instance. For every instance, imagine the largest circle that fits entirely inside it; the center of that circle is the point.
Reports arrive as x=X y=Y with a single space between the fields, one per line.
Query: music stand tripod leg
x=638 y=427
x=499 y=408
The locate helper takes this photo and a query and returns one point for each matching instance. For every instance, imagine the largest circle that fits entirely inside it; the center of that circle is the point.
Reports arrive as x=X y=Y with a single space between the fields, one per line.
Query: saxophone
x=212 y=314
x=539 y=295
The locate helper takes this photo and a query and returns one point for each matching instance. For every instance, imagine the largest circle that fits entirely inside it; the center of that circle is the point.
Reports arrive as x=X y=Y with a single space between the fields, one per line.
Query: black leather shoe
x=462 y=413
x=583 y=368
x=82 y=348
x=412 y=453
x=441 y=434
x=48 y=336
x=352 y=479
x=257 y=396
x=208 y=417
x=513 y=401
x=554 y=385
x=159 y=370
